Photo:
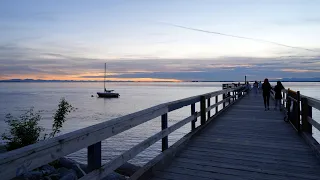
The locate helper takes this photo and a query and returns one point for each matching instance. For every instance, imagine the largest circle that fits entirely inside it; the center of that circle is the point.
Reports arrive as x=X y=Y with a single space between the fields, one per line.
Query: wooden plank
x=217 y=104
x=129 y=154
x=278 y=157
x=275 y=166
x=178 y=176
x=239 y=170
x=248 y=157
x=189 y=172
x=314 y=123
x=35 y=155
x=312 y=102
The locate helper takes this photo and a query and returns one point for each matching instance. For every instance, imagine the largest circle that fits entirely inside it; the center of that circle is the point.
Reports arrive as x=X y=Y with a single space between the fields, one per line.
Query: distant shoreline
x=72 y=81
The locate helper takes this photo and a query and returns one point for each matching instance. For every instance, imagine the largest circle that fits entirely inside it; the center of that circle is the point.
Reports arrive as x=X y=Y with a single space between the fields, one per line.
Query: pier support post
x=164 y=125
x=94 y=156
x=208 y=101
x=306 y=112
x=203 y=109
x=193 y=122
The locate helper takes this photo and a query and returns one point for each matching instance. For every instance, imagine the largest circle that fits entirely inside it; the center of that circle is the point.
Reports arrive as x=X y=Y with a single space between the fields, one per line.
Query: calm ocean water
x=15 y=98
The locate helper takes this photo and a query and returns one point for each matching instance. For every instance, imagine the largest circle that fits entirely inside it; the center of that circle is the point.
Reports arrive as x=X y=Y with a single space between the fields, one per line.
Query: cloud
x=17 y=60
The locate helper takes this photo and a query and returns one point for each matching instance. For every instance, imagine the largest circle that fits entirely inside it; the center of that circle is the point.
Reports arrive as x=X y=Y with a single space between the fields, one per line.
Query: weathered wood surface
x=245 y=142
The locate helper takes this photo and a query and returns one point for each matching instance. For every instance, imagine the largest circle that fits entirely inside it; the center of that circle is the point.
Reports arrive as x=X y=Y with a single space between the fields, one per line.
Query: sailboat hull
x=108 y=95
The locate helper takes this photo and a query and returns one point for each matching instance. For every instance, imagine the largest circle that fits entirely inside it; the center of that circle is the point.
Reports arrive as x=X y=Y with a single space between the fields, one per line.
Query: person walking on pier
x=266 y=88
x=259 y=87
x=277 y=89
x=255 y=87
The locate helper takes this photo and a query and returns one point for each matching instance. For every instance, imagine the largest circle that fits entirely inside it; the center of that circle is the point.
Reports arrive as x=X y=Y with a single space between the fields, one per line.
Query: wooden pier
x=237 y=141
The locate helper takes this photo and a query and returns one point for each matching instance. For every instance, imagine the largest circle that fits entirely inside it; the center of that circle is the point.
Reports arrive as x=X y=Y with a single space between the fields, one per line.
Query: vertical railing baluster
x=203 y=109
x=208 y=105
x=216 y=103
x=223 y=98
x=298 y=112
x=94 y=156
x=193 y=111
x=306 y=112
x=164 y=125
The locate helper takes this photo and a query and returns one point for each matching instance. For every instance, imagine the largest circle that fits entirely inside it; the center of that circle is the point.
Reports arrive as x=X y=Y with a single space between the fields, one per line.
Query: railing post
x=229 y=100
x=208 y=101
x=283 y=98
x=94 y=156
x=203 y=109
x=223 y=98
x=306 y=112
x=216 y=103
x=164 y=125
x=298 y=112
x=288 y=103
x=193 y=111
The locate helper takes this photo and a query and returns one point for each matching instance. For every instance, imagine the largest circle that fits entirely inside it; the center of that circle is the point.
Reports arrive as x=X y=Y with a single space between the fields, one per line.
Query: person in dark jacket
x=278 y=96
x=266 y=88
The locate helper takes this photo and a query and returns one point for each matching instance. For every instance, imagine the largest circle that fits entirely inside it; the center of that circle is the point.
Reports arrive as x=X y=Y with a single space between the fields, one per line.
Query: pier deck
x=245 y=142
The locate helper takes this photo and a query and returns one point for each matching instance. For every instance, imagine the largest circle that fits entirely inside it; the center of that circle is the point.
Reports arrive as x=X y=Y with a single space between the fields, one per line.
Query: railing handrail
x=312 y=102
x=36 y=155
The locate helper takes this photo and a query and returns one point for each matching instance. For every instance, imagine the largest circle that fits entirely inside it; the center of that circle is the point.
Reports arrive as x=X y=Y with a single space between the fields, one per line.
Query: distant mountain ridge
x=314 y=79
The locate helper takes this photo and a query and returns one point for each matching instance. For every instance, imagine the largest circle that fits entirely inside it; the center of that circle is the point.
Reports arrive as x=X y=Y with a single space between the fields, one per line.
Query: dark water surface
x=15 y=98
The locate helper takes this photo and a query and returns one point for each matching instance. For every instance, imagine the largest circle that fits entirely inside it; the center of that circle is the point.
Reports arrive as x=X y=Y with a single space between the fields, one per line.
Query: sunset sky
x=141 y=40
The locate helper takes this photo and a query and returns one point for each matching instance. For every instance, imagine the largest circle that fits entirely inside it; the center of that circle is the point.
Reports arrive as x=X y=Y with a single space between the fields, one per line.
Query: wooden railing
x=17 y=162
x=298 y=109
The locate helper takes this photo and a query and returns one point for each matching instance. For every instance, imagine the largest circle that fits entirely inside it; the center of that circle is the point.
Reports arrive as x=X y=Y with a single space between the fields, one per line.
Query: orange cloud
x=78 y=78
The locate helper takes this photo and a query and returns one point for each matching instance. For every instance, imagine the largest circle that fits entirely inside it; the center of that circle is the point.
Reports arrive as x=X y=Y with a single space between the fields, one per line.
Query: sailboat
x=107 y=93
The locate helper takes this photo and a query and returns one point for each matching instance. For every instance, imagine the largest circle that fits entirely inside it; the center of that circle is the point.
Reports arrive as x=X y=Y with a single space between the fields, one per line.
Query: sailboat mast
x=104 y=81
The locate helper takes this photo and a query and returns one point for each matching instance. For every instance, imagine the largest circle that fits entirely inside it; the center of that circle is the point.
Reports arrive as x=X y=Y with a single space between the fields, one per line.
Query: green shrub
x=25 y=130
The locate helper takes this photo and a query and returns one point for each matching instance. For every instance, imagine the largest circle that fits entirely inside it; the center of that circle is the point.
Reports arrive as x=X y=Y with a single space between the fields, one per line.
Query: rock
x=3 y=148
x=127 y=169
x=80 y=169
x=80 y=172
x=32 y=175
x=66 y=162
x=62 y=171
x=53 y=177
x=71 y=175
x=47 y=169
x=114 y=176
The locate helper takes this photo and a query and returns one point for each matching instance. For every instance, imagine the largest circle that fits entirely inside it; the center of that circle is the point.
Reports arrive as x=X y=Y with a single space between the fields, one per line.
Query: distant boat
x=107 y=93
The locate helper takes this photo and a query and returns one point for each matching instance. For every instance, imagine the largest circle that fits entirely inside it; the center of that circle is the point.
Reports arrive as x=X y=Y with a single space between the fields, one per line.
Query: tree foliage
x=64 y=108
x=25 y=130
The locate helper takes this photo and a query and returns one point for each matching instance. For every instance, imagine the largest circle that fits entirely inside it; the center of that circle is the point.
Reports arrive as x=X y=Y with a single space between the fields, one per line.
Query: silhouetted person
x=266 y=87
x=278 y=96
x=255 y=87
x=259 y=87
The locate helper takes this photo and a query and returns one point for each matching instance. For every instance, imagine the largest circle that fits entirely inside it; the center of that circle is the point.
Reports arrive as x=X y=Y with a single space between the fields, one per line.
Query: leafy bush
x=25 y=130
